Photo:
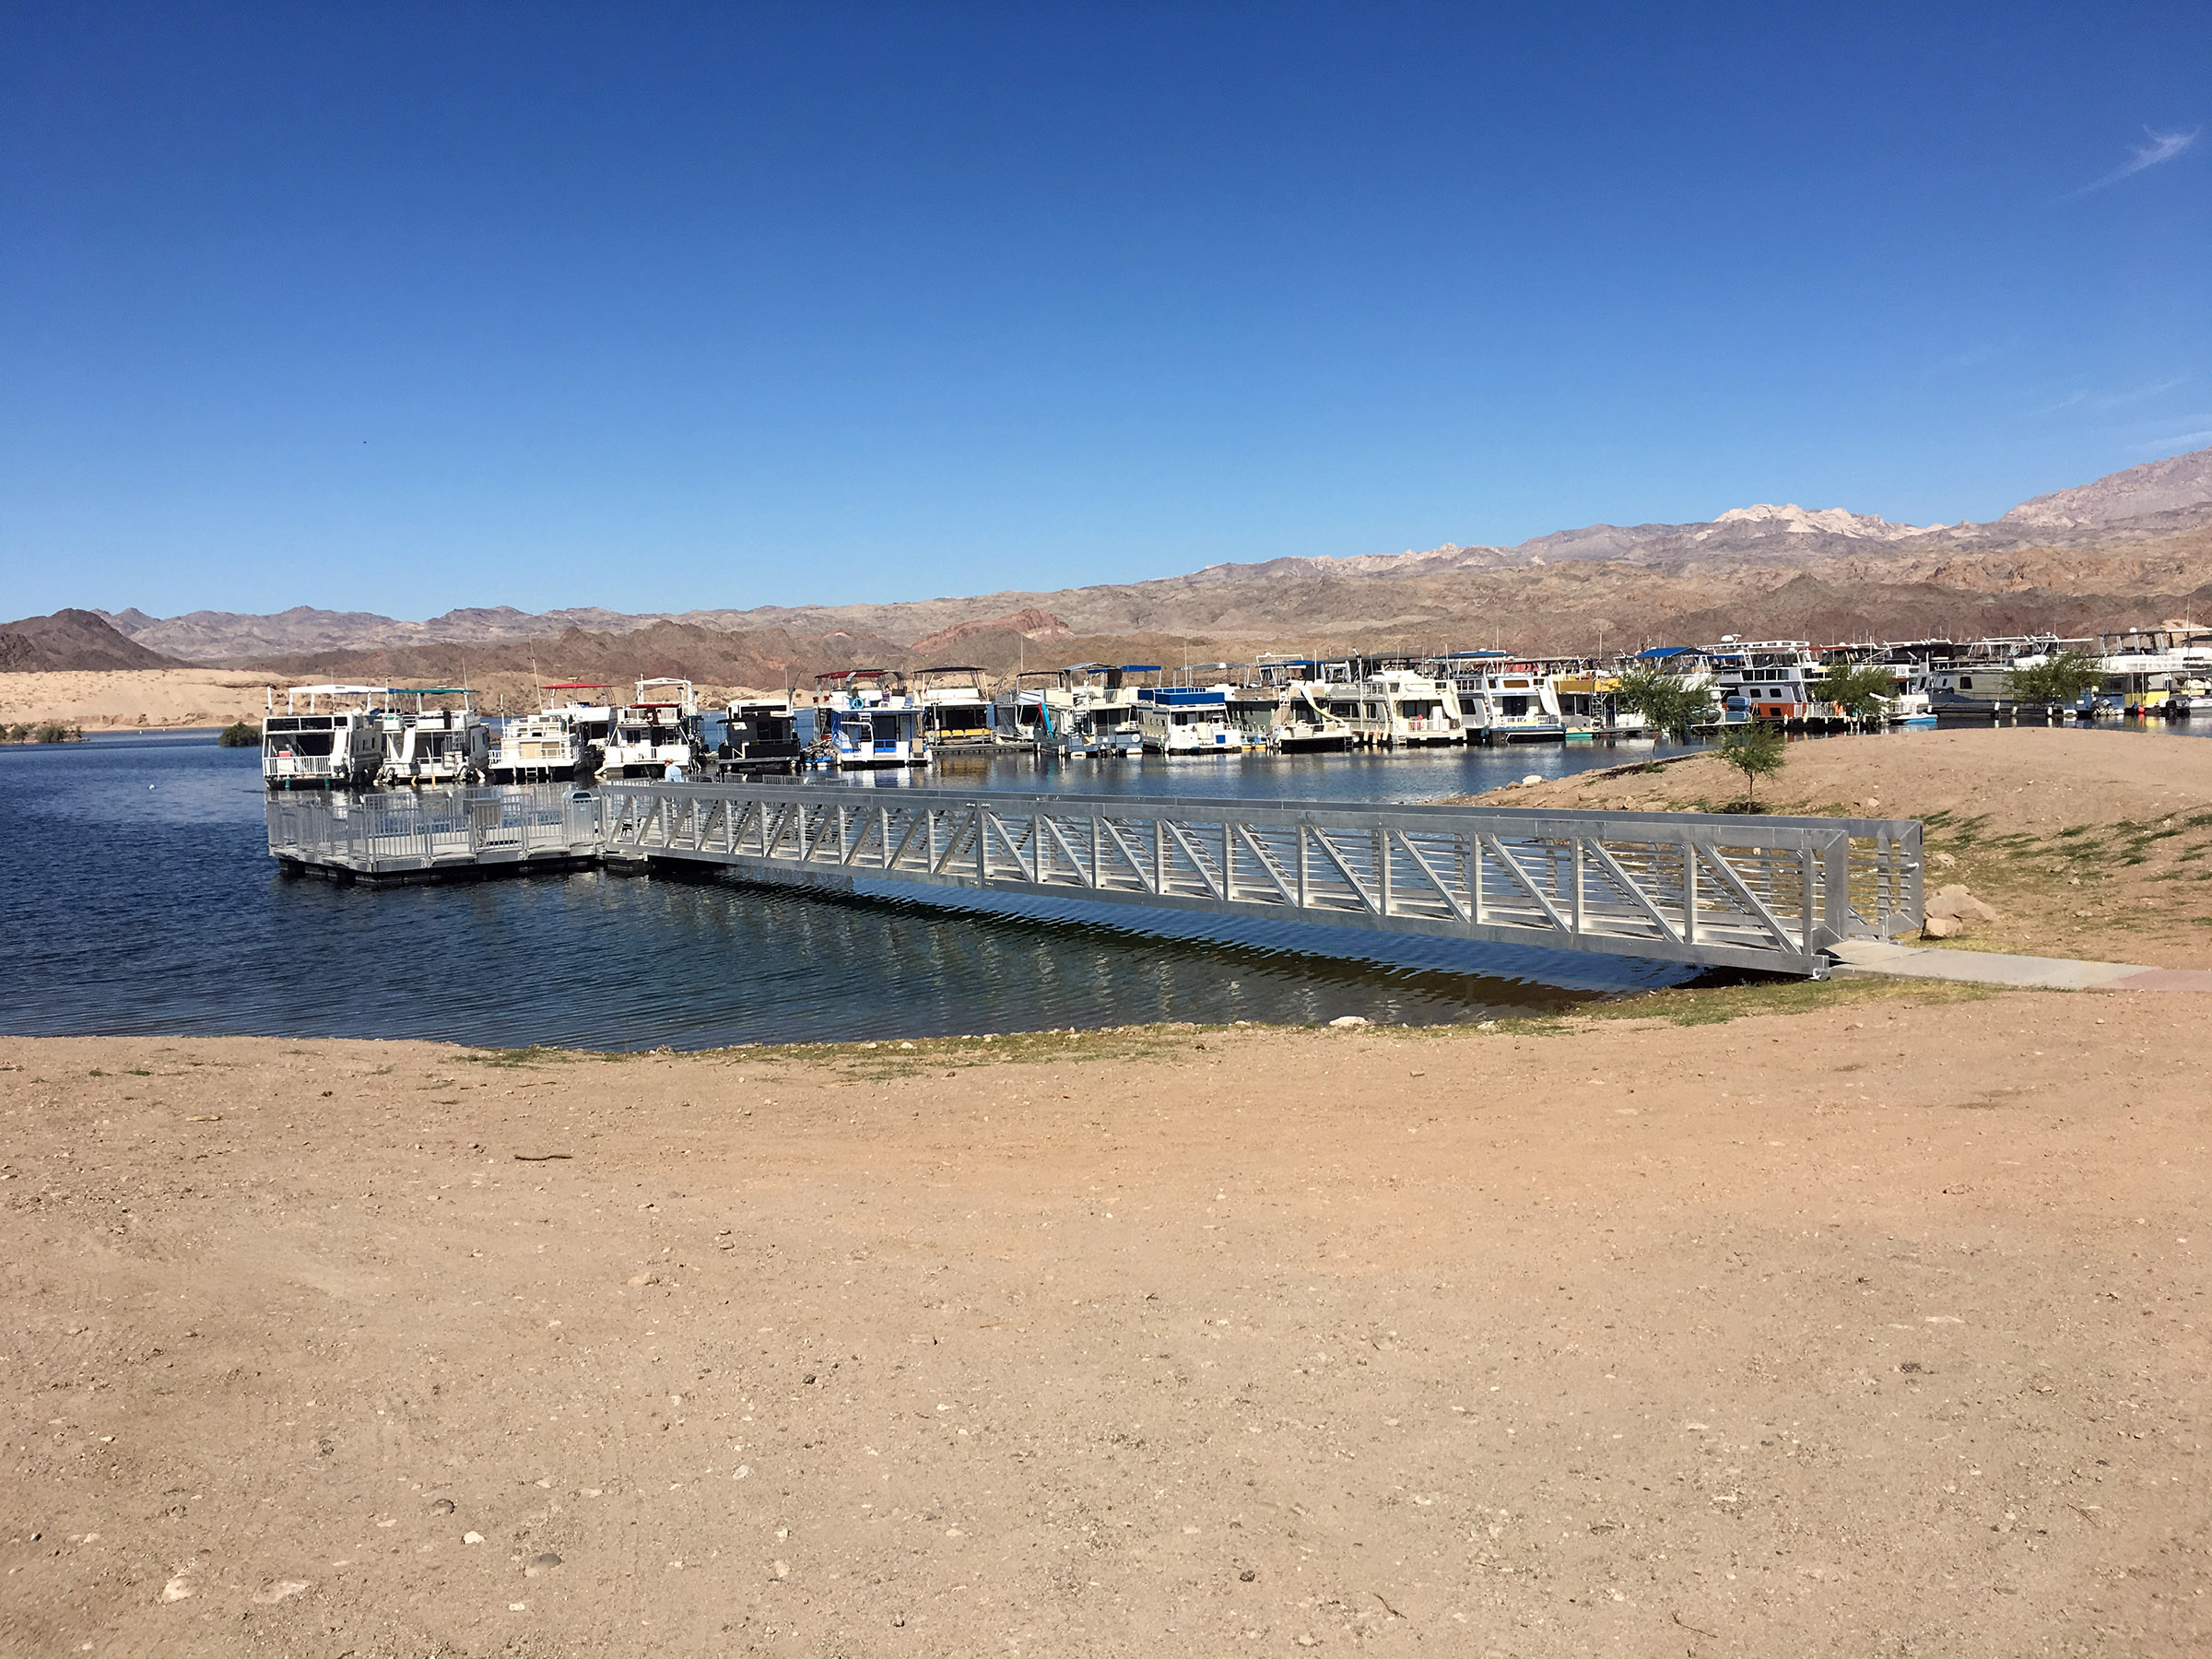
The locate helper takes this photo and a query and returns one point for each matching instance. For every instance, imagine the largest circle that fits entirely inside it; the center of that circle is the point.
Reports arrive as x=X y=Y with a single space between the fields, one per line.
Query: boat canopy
x=1660 y=652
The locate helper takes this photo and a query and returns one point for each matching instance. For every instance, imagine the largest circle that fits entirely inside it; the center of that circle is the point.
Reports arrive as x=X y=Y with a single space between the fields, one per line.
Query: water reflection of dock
x=1715 y=890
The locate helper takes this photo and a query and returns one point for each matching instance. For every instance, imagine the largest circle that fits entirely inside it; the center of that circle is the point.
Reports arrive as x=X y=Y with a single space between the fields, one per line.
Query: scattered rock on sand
x=441 y=1506
x=1954 y=911
x=268 y=1596
x=1346 y=1021
x=540 y=1564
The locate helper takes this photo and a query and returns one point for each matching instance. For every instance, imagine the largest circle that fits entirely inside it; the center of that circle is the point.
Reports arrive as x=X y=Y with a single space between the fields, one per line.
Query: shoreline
x=1768 y=1316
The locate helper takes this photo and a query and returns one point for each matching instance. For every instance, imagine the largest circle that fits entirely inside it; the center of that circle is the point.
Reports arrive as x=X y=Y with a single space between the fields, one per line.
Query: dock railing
x=394 y=836
x=1723 y=890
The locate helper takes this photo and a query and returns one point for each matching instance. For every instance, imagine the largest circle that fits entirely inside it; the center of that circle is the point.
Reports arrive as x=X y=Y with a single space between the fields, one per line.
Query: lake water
x=141 y=899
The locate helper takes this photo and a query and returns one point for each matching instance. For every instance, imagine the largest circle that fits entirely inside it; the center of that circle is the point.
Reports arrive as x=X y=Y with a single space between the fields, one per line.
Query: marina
x=857 y=720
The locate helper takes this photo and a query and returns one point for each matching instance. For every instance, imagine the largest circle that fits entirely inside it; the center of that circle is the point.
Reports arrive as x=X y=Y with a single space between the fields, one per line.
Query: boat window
x=1966 y=682
x=304 y=743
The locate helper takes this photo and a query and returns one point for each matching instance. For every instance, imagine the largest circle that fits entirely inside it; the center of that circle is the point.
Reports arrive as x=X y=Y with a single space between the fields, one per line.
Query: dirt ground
x=1855 y=1323
x=2090 y=844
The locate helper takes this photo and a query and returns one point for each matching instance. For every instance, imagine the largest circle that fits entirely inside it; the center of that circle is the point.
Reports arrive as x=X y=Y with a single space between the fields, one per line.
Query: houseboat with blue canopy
x=864 y=717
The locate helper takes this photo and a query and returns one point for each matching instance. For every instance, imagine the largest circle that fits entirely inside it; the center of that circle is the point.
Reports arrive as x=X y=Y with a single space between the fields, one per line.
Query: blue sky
x=401 y=308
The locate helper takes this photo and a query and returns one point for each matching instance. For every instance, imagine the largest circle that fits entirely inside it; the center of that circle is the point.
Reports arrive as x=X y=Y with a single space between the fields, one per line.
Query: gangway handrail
x=1726 y=889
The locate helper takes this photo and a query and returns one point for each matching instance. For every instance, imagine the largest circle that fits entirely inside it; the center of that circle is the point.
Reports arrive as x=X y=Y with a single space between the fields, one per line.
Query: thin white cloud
x=2163 y=146
x=2113 y=400
x=2176 y=443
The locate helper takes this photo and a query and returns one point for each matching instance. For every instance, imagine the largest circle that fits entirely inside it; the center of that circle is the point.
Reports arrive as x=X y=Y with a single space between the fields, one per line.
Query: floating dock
x=447 y=835
x=1774 y=894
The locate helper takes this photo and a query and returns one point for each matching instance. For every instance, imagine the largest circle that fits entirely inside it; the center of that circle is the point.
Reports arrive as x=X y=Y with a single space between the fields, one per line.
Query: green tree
x=1755 y=750
x=241 y=733
x=1859 y=690
x=2059 y=680
x=1669 y=704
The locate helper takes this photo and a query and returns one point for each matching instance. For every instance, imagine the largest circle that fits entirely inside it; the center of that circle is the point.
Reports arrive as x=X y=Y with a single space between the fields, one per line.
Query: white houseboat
x=1506 y=701
x=327 y=737
x=1395 y=708
x=435 y=746
x=863 y=717
x=656 y=729
x=1100 y=718
x=560 y=742
x=1306 y=724
x=1187 y=720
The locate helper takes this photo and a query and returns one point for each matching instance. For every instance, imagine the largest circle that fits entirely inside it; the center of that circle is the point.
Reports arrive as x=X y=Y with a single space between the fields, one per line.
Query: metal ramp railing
x=1746 y=891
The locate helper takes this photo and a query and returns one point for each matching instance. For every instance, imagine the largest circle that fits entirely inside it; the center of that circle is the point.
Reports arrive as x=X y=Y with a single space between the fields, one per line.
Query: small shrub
x=1757 y=750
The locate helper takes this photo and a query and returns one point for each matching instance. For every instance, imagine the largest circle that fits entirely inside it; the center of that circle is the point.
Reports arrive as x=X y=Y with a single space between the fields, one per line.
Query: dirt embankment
x=2090 y=844
x=1875 y=1329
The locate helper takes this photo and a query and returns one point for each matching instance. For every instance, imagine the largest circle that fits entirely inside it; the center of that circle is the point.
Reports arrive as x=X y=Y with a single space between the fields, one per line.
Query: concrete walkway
x=1864 y=957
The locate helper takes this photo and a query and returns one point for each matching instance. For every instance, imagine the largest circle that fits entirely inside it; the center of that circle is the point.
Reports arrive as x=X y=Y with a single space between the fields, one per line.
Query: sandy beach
x=1868 y=1321
x=103 y=699
x=2090 y=844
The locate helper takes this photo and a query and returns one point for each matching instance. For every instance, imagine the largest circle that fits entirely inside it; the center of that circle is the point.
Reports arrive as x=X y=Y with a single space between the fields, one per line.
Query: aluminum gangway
x=1722 y=889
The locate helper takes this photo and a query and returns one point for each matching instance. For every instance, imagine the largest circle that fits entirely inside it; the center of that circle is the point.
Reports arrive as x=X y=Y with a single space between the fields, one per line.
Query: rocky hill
x=72 y=639
x=2180 y=484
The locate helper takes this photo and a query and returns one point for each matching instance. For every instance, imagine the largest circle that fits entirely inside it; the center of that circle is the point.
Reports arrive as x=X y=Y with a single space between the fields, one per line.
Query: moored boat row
x=365 y=736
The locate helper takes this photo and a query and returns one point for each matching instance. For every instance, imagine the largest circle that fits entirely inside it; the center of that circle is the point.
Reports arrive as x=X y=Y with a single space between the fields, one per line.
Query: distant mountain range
x=2144 y=503
x=2136 y=540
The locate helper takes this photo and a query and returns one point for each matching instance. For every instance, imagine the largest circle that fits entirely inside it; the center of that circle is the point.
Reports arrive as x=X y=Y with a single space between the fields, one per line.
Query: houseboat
x=1187 y=720
x=956 y=706
x=1100 y=718
x=1305 y=724
x=435 y=746
x=759 y=737
x=1504 y=700
x=560 y=741
x=1395 y=708
x=656 y=729
x=863 y=717
x=327 y=737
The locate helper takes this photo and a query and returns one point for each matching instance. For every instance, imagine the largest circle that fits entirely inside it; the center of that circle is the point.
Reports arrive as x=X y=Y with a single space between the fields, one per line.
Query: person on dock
x=674 y=774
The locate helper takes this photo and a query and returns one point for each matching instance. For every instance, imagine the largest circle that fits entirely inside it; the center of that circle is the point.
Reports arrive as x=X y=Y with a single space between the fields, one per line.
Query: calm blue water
x=141 y=899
